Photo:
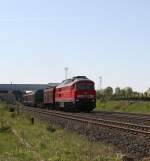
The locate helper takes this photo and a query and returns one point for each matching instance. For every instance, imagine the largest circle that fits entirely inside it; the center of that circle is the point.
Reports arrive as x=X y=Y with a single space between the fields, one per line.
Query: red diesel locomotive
x=76 y=94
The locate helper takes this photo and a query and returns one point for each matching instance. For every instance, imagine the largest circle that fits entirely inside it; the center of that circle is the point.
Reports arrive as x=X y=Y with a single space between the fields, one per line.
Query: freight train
x=75 y=94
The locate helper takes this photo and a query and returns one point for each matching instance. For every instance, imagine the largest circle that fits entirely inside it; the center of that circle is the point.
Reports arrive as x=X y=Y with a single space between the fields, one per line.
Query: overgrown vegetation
x=123 y=100
x=8 y=98
x=122 y=94
x=124 y=106
x=42 y=142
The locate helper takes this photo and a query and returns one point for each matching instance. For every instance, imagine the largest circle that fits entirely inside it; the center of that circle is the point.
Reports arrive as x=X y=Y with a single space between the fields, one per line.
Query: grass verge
x=124 y=106
x=23 y=141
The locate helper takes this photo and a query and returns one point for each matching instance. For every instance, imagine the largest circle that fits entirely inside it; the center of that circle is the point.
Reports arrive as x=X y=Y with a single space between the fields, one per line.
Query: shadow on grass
x=4 y=126
x=5 y=129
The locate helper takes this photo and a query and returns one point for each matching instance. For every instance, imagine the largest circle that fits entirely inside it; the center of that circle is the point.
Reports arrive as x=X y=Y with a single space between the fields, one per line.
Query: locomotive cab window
x=85 y=86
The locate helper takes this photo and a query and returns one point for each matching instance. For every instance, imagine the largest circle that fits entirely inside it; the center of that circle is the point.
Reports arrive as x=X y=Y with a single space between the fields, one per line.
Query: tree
x=100 y=94
x=122 y=93
x=108 y=92
x=128 y=91
x=117 y=91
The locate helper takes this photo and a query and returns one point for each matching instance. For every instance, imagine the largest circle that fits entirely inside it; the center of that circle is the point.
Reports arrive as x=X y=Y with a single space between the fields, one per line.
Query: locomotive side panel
x=65 y=94
x=65 y=97
x=79 y=95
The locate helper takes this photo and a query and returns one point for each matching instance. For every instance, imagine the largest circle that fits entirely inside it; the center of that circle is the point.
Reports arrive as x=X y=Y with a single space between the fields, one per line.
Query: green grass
x=35 y=142
x=124 y=106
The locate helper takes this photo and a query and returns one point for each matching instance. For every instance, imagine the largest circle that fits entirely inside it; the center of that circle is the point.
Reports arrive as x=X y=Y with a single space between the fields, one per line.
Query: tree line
x=122 y=94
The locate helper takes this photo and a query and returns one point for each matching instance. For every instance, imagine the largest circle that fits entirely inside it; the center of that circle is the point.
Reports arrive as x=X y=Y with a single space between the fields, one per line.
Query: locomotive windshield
x=85 y=86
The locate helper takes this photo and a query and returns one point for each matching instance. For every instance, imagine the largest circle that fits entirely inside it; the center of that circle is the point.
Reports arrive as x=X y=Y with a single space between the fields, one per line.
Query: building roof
x=25 y=87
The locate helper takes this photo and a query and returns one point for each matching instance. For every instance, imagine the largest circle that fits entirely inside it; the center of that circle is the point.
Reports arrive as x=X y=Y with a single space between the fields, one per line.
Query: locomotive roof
x=73 y=80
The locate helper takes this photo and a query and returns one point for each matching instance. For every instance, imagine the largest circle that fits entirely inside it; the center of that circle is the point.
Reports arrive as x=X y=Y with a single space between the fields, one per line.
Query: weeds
x=51 y=128
x=46 y=141
x=4 y=126
x=124 y=106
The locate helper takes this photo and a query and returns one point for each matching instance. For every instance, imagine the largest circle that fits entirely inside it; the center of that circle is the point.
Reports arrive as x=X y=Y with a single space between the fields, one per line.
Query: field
x=124 y=106
x=22 y=141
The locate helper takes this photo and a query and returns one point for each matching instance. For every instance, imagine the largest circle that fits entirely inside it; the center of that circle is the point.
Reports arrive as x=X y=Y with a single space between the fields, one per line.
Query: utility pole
x=100 y=81
x=66 y=72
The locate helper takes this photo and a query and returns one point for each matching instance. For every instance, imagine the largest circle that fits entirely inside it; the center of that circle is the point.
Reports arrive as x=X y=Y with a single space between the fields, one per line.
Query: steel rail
x=122 y=113
x=122 y=116
x=134 y=128
x=98 y=119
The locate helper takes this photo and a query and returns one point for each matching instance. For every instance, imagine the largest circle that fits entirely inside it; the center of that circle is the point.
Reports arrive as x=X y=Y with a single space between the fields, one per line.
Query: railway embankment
x=22 y=140
x=131 y=139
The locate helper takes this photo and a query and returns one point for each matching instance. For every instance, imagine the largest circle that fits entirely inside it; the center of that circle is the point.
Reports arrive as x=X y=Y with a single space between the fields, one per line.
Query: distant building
x=24 y=87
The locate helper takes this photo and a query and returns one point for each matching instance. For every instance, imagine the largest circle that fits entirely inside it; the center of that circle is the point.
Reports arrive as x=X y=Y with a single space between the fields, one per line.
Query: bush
x=8 y=98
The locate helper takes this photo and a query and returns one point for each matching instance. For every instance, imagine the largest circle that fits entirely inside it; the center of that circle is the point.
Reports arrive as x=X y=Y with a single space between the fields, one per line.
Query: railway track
x=142 y=119
x=92 y=120
x=121 y=113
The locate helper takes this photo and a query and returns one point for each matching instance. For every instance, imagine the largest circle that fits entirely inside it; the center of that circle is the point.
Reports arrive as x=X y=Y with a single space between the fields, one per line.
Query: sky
x=39 y=38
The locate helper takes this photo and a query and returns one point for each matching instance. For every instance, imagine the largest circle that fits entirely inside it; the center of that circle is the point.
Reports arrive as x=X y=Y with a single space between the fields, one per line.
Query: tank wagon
x=75 y=94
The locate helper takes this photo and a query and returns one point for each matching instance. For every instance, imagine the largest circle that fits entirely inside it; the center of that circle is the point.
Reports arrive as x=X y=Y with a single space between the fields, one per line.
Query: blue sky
x=38 y=38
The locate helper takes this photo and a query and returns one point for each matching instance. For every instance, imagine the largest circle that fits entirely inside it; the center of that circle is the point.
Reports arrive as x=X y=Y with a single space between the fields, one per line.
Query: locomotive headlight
x=80 y=96
x=92 y=96
x=85 y=96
